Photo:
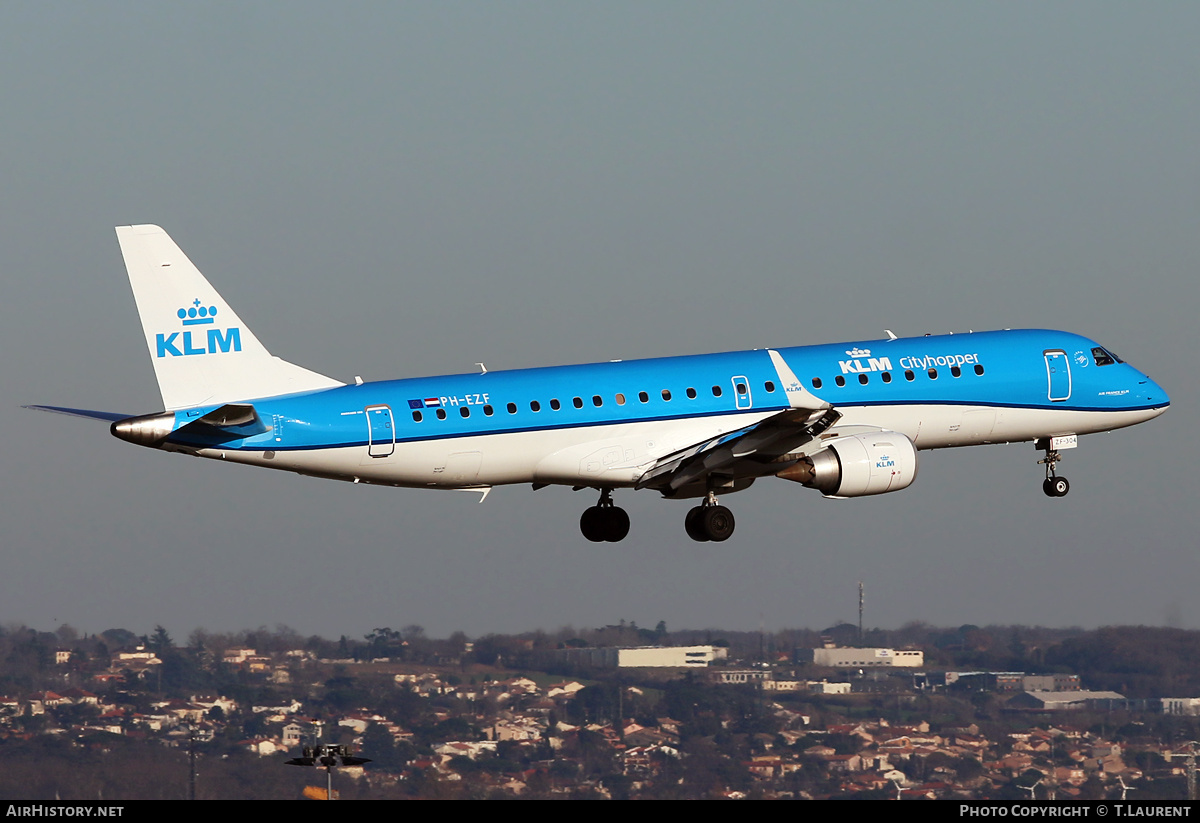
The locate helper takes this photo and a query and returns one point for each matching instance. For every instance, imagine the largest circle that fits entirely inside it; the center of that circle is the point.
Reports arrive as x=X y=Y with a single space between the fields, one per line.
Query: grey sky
x=394 y=190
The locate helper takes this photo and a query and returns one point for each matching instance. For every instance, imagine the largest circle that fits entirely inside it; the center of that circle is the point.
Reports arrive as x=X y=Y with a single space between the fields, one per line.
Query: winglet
x=798 y=396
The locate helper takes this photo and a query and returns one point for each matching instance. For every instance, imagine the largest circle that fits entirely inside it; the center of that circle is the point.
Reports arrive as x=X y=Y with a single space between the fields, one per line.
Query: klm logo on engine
x=856 y=365
x=885 y=462
x=199 y=341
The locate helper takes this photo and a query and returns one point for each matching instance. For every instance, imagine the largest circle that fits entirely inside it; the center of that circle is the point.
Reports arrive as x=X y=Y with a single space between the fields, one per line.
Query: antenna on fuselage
x=482 y=368
x=890 y=335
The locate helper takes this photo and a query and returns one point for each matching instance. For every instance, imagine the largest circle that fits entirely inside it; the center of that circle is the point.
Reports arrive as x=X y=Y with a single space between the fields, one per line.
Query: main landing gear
x=604 y=522
x=709 y=521
x=1053 y=485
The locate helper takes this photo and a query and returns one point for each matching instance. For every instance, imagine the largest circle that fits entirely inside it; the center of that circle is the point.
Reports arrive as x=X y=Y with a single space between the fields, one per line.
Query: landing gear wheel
x=693 y=526
x=591 y=523
x=1056 y=486
x=604 y=522
x=616 y=524
x=717 y=522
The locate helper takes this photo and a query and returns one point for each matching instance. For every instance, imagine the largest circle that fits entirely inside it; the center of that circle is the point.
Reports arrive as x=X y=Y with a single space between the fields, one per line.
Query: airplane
x=846 y=419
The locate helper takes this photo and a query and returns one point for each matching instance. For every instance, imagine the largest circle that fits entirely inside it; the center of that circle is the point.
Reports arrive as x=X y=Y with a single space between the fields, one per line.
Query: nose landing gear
x=1053 y=485
x=604 y=522
x=1056 y=486
x=709 y=521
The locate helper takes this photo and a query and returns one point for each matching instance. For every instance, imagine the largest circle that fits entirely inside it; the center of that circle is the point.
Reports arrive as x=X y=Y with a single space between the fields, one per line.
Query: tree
x=160 y=642
x=377 y=744
x=385 y=642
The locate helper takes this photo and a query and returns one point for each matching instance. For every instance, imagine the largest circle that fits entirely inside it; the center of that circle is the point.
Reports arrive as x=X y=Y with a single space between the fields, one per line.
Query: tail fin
x=202 y=351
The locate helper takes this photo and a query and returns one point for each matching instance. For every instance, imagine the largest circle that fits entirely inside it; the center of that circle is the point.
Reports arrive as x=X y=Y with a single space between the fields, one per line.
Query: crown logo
x=857 y=352
x=197 y=315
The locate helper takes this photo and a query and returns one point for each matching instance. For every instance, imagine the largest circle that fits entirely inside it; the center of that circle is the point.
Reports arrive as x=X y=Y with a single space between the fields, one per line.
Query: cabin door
x=381 y=431
x=1058 y=373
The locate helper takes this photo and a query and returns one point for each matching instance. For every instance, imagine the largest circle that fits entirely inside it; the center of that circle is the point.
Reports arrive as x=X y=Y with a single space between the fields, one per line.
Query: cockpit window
x=1104 y=358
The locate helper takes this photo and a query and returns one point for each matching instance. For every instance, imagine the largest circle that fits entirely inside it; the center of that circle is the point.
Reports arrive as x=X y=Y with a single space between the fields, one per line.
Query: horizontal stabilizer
x=112 y=417
x=232 y=421
x=231 y=415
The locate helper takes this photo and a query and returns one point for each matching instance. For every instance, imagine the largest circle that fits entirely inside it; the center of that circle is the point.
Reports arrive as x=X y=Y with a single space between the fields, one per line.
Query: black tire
x=591 y=523
x=616 y=524
x=718 y=523
x=693 y=525
x=1060 y=486
x=1048 y=488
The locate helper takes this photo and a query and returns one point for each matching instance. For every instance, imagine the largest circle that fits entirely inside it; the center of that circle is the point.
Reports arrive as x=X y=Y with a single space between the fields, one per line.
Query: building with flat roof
x=642 y=656
x=861 y=658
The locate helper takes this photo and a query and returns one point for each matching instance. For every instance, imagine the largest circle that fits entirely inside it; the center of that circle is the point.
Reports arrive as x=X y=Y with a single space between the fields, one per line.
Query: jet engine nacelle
x=858 y=465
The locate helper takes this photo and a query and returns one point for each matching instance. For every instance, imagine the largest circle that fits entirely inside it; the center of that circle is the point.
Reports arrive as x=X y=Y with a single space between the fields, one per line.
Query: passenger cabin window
x=465 y=411
x=577 y=402
x=666 y=394
x=597 y=401
x=886 y=377
x=816 y=381
x=535 y=405
x=620 y=400
x=769 y=386
x=841 y=381
x=441 y=414
x=862 y=378
x=512 y=408
x=691 y=393
x=716 y=391
x=978 y=369
x=645 y=398
x=955 y=371
x=554 y=404
x=909 y=376
x=933 y=374
x=488 y=410
x=416 y=417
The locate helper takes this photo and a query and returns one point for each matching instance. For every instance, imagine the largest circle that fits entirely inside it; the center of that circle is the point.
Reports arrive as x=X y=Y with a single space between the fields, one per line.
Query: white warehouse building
x=861 y=658
x=642 y=656
x=670 y=656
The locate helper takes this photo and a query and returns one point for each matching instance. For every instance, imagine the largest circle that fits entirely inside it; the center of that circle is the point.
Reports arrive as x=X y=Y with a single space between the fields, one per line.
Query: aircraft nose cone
x=1155 y=394
x=146 y=430
x=1152 y=397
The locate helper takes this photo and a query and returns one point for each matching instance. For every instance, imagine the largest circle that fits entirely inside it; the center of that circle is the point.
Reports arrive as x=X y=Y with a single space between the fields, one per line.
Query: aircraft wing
x=747 y=452
x=739 y=454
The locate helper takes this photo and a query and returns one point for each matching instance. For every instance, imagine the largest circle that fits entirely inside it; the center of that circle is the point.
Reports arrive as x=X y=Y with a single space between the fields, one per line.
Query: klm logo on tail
x=210 y=341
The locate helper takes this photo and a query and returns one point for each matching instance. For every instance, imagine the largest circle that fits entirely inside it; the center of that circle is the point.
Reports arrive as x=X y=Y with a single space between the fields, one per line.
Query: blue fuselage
x=1020 y=370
